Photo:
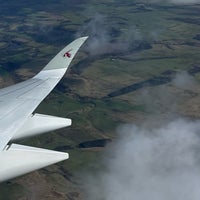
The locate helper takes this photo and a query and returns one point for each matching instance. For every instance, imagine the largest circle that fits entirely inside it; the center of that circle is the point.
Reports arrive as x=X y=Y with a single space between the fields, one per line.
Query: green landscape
x=135 y=49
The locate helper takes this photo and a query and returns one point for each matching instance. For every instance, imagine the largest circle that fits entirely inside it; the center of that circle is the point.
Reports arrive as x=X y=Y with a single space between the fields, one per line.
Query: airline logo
x=67 y=54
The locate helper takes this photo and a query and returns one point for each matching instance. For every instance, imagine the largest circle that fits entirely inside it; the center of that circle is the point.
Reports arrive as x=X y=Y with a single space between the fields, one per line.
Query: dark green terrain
x=134 y=50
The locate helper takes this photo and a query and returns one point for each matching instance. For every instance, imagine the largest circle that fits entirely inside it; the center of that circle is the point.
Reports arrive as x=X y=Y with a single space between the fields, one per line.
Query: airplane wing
x=17 y=104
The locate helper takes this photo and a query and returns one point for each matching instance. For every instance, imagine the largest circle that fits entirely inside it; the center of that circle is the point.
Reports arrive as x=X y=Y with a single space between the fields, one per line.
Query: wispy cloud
x=185 y=1
x=178 y=1
x=183 y=80
x=151 y=163
x=157 y=160
x=105 y=38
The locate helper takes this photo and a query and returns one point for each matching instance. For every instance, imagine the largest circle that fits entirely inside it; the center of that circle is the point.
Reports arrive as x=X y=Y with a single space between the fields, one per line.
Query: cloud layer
x=103 y=36
x=184 y=1
x=151 y=163
x=178 y=1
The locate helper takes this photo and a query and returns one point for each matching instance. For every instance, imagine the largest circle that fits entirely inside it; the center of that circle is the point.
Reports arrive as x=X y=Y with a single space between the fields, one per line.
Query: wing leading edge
x=17 y=104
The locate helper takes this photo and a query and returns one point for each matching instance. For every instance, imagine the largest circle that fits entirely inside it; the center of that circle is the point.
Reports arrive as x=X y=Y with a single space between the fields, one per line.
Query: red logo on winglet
x=67 y=54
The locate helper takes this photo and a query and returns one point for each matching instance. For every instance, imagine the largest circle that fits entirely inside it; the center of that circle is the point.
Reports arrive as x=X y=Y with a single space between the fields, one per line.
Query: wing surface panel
x=20 y=100
x=11 y=122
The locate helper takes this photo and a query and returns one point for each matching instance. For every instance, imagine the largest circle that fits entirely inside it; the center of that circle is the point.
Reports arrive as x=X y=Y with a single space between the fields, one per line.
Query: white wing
x=17 y=104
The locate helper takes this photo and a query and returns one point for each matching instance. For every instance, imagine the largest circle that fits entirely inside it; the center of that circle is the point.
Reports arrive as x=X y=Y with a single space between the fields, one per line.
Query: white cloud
x=101 y=39
x=159 y=163
x=178 y=1
x=184 y=81
x=185 y=1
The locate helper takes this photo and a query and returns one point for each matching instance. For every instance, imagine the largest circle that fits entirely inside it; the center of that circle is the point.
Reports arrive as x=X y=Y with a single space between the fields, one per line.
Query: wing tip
x=58 y=63
x=81 y=40
x=84 y=37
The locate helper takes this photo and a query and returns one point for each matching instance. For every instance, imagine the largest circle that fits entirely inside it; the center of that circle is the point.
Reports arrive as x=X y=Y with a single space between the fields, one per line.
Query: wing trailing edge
x=17 y=160
x=37 y=124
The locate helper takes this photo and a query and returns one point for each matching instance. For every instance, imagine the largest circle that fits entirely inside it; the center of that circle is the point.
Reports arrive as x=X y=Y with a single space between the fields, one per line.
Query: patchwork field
x=124 y=74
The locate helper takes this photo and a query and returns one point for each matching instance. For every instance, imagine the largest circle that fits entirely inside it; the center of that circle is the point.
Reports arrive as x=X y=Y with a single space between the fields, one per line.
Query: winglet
x=65 y=56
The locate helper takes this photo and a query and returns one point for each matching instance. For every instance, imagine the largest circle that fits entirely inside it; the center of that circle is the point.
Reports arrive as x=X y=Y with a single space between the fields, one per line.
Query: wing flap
x=17 y=160
x=37 y=124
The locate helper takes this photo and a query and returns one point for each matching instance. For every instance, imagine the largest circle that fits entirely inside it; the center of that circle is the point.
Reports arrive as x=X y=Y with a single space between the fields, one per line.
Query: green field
x=129 y=43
